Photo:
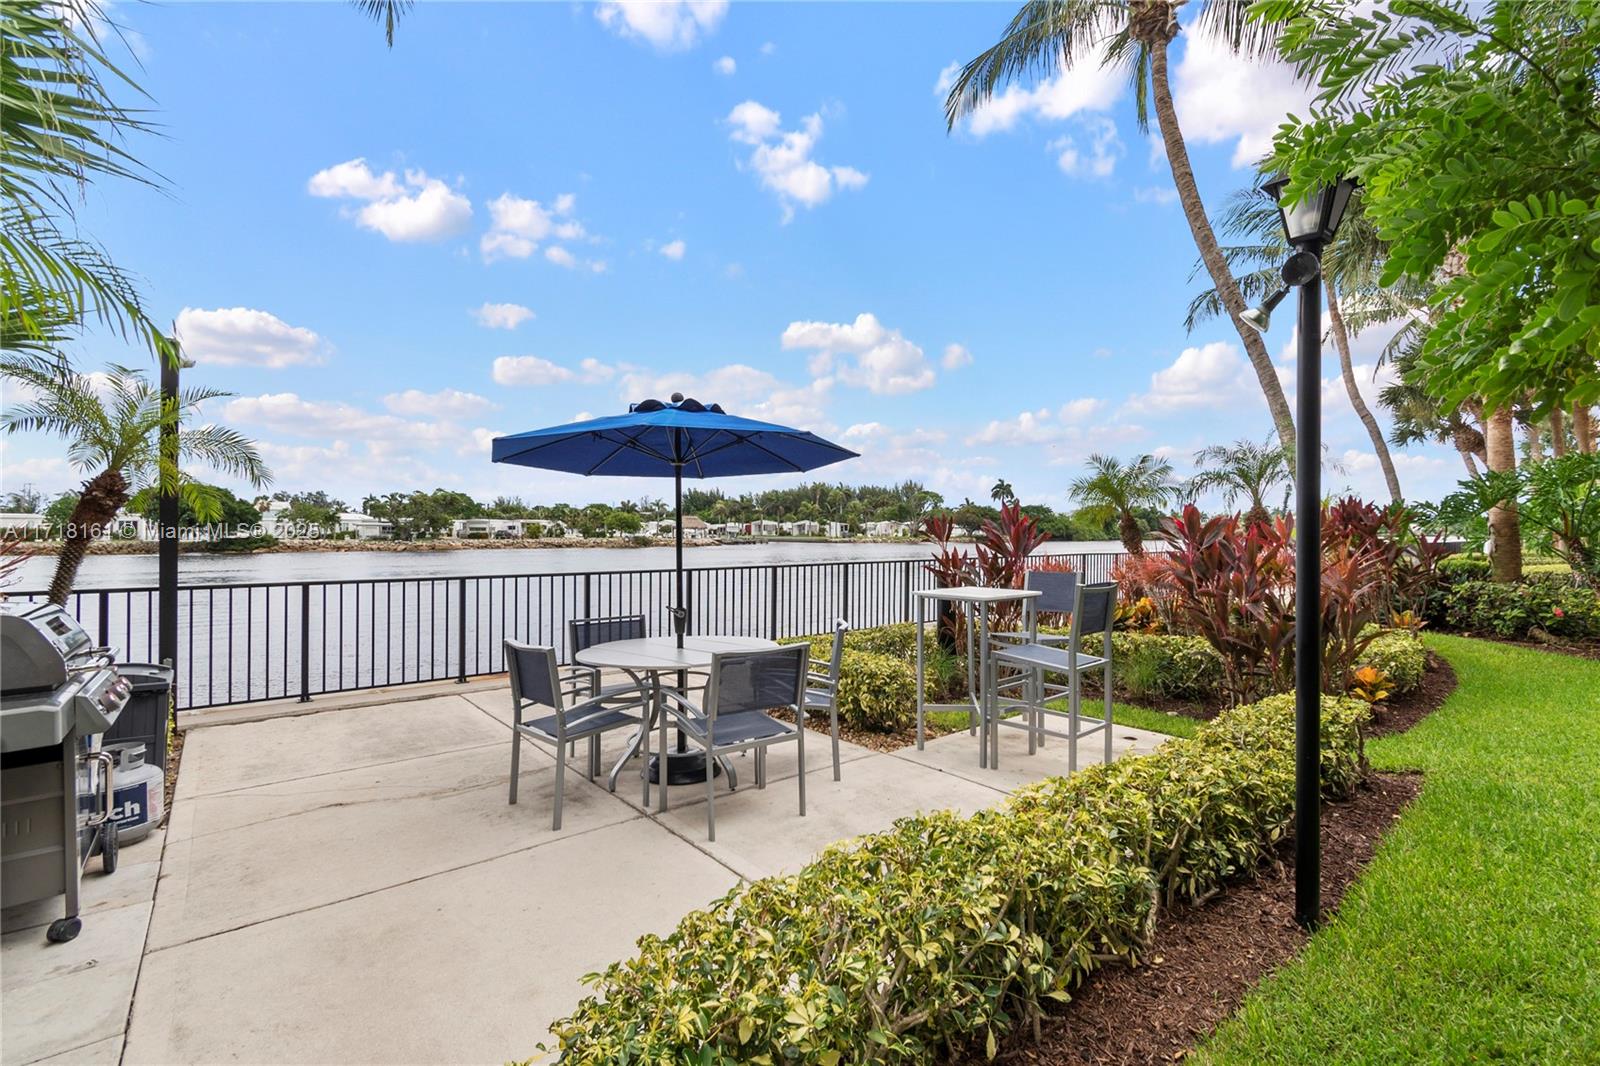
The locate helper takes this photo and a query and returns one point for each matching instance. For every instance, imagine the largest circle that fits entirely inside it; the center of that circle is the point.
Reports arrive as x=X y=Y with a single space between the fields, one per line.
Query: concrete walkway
x=351 y=886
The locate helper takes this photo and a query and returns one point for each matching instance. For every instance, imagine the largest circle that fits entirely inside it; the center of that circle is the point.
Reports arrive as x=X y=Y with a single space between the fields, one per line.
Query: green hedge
x=876 y=692
x=1163 y=666
x=947 y=931
x=1399 y=654
x=1516 y=609
x=1464 y=566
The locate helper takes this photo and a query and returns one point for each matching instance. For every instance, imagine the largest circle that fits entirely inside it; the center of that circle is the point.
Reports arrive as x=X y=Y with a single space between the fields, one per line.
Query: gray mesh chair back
x=533 y=676
x=1095 y=610
x=757 y=681
x=587 y=632
x=1057 y=590
x=822 y=688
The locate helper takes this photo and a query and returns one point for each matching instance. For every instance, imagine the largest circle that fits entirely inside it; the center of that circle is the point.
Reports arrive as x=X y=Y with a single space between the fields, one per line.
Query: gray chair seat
x=579 y=729
x=816 y=698
x=1039 y=656
x=736 y=729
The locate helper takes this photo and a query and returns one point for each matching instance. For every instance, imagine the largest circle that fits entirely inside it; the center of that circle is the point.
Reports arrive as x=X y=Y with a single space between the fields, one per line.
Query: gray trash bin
x=145 y=717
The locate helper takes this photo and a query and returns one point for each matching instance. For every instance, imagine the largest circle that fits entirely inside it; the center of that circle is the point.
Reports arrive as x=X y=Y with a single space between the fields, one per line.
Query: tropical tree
x=112 y=424
x=60 y=127
x=1116 y=490
x=1350 y=266
x=1243 y=470
x=1049 y=36
x=1002 y=492
x=386 y=12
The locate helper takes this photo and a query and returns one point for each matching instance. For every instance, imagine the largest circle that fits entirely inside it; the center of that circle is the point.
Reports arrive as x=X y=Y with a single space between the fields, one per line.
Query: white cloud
x=865 y=430
x=768 y=48
x=287 y=412
x=1080 y=409
x=956 y=356
x=1155 y=194
x=502 y=316
x=668 y=25
x=243 y=336
x=1100 y=159
x=782 y=159
x=446 y=403
x=560 y=256
x=864 y=352
x=1223 y=97
x=947 y=79
x=532 y=370
x=725 y=66
x=741 y=390
x=673 y=249
x=1085 y=87
x=518 y=225
x=418 y=209
x=1040 y=427
x=1214 y=375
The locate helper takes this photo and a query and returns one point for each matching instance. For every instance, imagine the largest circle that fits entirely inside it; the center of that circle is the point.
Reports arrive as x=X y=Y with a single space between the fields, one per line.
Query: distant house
x=22 y=523
x=763 y=527
x=805 y=528
x=888 y=529
x=695 y=527
x=838 y=530
x=364 y=526
x=491 y=528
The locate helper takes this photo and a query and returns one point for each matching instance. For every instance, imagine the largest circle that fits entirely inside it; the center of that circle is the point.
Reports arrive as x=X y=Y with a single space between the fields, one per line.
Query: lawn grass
x=1121 y=713
x=1474 y=936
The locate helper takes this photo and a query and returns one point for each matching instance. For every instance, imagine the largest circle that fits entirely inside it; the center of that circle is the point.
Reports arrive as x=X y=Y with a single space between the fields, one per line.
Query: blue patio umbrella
x=677 y=439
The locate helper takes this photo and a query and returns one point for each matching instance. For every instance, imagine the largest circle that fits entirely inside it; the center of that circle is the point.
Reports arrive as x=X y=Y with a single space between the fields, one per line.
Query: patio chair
x=732 y=717
x=822 y=688
x=535 y=680
x=1057 y=590
x=1093 y=614
x=582 y=681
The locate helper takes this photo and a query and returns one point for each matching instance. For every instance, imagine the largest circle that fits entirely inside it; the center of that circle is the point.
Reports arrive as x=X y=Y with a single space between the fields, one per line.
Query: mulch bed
x=1206 y=959
x=866 y=738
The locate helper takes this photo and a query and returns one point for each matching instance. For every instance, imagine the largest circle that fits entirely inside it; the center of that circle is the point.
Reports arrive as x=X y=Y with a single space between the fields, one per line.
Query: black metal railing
x=265 y=641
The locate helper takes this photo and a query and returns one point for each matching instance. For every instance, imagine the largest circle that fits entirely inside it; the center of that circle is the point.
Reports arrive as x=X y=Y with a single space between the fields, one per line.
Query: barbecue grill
x=58 y=693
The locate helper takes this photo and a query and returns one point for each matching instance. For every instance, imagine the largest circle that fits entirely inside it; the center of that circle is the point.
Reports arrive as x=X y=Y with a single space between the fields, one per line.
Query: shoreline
x=441 y=544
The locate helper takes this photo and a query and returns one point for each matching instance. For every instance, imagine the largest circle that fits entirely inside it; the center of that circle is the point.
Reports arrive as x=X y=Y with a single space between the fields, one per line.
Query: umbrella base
x=683 y=768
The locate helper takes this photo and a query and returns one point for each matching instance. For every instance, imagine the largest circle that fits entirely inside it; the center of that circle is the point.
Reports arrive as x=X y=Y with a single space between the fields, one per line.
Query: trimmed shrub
x=876 y=692
x=1515 y=610
x=1147 y=665
x=948 y=930
x=1399 y=654
x=899 y=640
x=1464 y=566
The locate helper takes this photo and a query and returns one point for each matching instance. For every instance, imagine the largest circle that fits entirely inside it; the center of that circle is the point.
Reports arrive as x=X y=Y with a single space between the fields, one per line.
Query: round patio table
x=645 y=660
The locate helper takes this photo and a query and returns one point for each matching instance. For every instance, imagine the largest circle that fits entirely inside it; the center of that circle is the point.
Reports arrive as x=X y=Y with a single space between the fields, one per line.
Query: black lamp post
x=1310 y=224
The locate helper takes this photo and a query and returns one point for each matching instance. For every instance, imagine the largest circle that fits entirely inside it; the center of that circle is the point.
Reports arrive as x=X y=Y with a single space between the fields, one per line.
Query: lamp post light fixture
x=1310 y=224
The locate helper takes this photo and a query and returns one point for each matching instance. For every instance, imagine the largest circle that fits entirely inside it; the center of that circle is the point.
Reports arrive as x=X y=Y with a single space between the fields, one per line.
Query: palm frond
x=387 y=12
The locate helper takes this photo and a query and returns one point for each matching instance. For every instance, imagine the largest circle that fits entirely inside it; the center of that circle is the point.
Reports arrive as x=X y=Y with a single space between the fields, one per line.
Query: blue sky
x=524 y=214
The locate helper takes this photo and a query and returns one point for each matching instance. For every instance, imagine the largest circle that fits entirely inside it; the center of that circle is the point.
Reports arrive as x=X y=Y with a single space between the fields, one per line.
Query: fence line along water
x=243 y=643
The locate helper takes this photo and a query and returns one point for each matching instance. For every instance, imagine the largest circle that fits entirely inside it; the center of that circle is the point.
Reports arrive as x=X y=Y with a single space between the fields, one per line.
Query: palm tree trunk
x=1503 y=524
x=1205 y=241
x=103 y=495
x=1534 y=435
x=1583 y=428
x=1341 y=341
x=1132 y=536
x=1558 y=433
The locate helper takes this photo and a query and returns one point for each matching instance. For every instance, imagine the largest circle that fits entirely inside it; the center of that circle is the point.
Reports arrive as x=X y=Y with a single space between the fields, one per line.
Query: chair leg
x=833 y=727
x=1106 y=685
x=760 y=757
x=516 y=762
x=1032 y=698
x=594 y=756
x=561 y=773
x=711 y=797
x=644 y=755
x=800 y=757
x=1072 y=723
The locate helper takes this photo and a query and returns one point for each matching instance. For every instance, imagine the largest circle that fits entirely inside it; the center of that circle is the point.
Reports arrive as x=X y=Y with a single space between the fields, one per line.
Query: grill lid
x=36 y=642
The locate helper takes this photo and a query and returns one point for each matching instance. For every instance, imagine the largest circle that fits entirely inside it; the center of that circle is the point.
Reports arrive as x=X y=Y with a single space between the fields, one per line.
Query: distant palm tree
x=113 y=425
x=1047 y=36
x=1002 y=492
x=1243 y=470
x=1114 y=489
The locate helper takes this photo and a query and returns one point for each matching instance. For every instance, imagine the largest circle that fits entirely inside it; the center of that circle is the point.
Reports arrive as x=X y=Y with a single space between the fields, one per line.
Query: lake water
x=122 y=571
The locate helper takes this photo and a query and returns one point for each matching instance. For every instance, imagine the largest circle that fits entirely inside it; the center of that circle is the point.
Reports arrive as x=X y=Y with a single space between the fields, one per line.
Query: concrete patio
x=350 y=885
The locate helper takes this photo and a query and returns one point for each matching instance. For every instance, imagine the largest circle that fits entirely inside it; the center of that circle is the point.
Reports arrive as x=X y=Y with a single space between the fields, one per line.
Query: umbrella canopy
x=677 y=439
x=680 y=438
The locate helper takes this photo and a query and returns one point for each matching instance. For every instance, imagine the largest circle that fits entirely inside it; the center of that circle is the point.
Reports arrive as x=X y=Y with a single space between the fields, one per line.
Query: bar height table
x=974 y=600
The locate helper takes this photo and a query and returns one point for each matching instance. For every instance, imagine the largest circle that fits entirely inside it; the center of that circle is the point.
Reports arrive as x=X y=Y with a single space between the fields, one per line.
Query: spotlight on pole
x=1309 y=223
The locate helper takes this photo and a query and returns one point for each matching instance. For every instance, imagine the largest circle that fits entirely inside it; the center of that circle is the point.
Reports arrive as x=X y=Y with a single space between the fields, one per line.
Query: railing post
x=305 y=642
x=461 y=631
x=104 y=628
x=908 y=570
x=844 y=592
x=772 y=603
x=588 y=595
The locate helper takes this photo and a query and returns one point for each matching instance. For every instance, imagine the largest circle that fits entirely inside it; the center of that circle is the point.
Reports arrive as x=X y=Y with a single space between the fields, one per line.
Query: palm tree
x=113 y=423
x=1002 y=492
x=1243 y=470
x=59 y=128
x=387 y=12
x=1351 y=265
x=1048 y=36
x=1113 y=489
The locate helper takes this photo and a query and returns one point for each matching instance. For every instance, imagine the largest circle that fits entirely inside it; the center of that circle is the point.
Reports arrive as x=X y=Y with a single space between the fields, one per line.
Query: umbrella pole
x=680 y=617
